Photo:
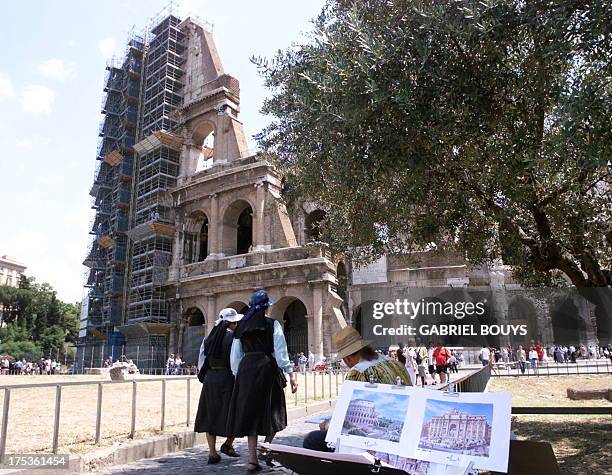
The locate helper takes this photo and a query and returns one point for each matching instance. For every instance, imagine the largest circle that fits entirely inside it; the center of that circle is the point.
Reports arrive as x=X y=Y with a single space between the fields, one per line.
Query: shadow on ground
x=193 y=461
x=582 y=444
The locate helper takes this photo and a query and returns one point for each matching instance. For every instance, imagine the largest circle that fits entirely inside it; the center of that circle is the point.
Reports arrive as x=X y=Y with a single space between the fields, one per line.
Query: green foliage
x=51 y=339
x=35 y=321
x=21 y=349
x=477 y=126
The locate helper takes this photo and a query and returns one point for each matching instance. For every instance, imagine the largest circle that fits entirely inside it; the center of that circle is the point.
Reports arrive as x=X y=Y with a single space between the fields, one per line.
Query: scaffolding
x=138 y=162
x=111 y=193
x=163 y=71
x=156 y=169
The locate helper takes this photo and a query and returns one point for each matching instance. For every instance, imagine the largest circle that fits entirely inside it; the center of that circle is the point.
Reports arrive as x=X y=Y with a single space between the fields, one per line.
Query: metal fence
x=475 y=382
x=312 y=387
x=513 y=368
x=101 y=384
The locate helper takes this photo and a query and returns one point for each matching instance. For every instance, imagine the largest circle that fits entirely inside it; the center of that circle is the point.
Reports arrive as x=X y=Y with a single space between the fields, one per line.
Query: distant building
x=10 y=271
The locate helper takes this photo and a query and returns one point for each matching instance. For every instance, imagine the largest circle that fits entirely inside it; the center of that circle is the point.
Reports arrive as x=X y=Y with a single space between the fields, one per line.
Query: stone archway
x=194 y=332
x=204 y=140
x=522 y=312
x=363 y=322
x=291 y=312
x=237 y=228
x=568 y=327
x=238 y=305
x=195 y=238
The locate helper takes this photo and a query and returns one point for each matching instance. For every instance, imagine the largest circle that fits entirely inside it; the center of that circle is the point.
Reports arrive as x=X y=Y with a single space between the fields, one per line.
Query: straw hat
x=349 y=341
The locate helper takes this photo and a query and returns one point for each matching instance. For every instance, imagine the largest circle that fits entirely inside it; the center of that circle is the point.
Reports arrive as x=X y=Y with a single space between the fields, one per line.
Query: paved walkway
x=193 y=461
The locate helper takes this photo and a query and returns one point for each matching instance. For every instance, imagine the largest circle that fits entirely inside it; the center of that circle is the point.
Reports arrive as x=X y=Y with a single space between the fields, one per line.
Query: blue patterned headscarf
x=259 y=300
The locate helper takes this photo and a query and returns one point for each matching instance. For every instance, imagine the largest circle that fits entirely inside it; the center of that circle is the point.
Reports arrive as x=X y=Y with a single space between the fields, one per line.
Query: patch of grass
x=582 y=443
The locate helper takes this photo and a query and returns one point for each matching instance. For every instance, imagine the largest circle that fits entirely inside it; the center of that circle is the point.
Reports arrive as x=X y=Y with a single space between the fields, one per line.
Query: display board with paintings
x=422 y=431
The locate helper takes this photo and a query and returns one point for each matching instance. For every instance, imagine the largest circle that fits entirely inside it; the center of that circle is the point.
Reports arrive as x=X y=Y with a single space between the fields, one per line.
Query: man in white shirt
x=485 y=355
x=533 y=359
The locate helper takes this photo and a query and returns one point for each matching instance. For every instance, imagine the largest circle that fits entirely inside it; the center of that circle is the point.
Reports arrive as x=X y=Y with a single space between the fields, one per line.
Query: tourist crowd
x=23 y=366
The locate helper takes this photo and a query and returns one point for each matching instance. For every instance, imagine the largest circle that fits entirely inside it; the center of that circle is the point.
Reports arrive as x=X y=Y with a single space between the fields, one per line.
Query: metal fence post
x=330 y=383
x=133 y=425
x=314 y=385
x=163 y=406
x=99 y=413
x=5 y=416
x=336 y=383
x=56 y=423
x=305 y=387
x=322 y=385
x=188 y=400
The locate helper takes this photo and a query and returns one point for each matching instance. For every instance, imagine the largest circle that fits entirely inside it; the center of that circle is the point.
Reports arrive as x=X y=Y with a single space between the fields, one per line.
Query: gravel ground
x=193 y=461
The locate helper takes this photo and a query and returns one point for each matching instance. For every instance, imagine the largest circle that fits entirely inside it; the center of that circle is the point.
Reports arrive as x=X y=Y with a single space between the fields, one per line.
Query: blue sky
x=392 y=406
x=52 y=58
x=437 y=408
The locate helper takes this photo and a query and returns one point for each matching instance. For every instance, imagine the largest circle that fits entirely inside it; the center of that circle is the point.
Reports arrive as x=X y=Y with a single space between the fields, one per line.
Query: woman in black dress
x=218 y=382
x=259 y=360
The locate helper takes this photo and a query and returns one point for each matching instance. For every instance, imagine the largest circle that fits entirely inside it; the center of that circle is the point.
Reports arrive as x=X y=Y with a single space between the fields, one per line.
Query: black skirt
x=258 y=402
x=215 y=402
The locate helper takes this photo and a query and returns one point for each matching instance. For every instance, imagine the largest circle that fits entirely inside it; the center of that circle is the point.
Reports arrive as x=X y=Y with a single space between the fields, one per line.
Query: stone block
x=589 y=394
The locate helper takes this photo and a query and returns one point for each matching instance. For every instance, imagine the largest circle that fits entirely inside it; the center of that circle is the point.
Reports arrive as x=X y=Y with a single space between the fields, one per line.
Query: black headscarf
x=213 y=345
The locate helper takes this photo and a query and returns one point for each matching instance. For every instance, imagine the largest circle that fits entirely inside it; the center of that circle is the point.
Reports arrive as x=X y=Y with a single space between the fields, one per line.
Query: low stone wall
x=589 y=394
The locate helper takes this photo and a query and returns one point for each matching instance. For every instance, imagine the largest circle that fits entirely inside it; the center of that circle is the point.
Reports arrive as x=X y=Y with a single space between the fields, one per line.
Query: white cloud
x=72 y=43
x=55 y=68
x=107 y=47
x=37 y=99
x=6 y=87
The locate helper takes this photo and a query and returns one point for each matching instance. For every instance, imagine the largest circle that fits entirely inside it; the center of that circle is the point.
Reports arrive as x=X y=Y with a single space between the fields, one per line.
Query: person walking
x=431 y=368
x=485 y=355
x=421 y=361
x=441 y=356
x=215 y=374
x=521 y=358
x=259 y=360
x=533 y=359
x=302 y=361
x=401 y=356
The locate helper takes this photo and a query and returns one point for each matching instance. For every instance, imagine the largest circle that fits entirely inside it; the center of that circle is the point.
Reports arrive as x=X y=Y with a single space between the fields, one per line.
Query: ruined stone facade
x=233 y=233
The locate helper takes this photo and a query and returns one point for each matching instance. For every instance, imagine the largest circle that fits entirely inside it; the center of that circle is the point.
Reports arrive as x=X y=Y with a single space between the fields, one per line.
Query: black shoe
x=263 y=456
x=255 y=467
x=229 y=451
x=213 y=459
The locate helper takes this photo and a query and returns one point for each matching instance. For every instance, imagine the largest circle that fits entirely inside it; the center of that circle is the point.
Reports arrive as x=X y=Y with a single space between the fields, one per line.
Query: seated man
x=365 y=364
